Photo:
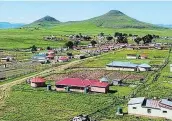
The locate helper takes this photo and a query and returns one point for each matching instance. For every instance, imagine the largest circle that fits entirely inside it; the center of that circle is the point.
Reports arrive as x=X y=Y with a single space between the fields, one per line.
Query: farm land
x=26 y=103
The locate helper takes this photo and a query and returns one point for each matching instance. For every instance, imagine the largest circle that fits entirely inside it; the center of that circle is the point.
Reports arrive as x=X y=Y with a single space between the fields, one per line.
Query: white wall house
x=150 y=107
x=131 y=56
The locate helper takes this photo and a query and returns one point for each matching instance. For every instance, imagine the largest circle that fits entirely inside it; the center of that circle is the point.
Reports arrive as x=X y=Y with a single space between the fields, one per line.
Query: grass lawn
x=26 y=103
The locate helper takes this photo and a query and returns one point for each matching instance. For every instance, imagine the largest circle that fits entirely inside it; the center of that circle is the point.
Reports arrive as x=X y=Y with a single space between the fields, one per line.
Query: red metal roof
x=37 y=80
x=81 y=83
x=50 y=56
x=63 y=58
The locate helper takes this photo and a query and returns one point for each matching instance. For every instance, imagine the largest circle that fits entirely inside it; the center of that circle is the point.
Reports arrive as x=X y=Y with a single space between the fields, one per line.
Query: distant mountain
x=46 y=21
x=165 y=25
x=112 y=19
x=117 y=19
x=7 y=25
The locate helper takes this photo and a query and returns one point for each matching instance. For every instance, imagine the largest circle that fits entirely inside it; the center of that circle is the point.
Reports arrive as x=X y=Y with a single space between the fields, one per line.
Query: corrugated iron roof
x=150 y=103
x=38 y=80
x=81 y=83
x=144 y=65
x=138 y=100
x=122 y=64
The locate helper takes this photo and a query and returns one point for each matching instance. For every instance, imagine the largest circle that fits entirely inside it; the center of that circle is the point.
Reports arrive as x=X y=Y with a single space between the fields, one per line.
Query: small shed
x=38 y=82
x=117 y=82
x=104 y=79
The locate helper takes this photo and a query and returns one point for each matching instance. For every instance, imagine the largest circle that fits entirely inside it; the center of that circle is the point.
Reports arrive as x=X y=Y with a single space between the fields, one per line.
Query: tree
x=109 y=38
x=101 y=34
x=93 y=42
x=147 y=39
x=48 y=48
x=75 y=43
x=33 y=48
x=69 y=54
x=69 y=44
x=122 y=39
x=138 y=40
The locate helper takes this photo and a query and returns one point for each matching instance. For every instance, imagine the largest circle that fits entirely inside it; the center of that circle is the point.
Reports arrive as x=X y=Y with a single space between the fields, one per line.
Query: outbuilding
x=121 y=66
x=38 y=82
x=144 y=67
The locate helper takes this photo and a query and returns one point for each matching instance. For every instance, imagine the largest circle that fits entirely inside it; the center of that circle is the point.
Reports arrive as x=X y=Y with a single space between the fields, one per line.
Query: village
x=105 y=68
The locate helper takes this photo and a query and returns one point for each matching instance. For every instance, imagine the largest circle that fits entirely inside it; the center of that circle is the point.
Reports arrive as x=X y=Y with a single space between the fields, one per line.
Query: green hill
x=44 y=22
x=117 y=19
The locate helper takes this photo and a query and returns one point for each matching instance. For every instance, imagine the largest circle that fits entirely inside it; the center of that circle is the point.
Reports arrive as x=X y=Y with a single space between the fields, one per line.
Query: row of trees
x=145 y=39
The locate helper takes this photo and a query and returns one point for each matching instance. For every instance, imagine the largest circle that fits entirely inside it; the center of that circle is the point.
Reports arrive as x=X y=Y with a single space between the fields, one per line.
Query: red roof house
x=63 y=59
x=50 y=56
x=38 y=82
x=80 y=85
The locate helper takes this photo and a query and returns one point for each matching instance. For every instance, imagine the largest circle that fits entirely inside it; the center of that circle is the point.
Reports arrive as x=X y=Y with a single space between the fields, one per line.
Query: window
x=149 y=111
x=134 y=108
x=164 y=111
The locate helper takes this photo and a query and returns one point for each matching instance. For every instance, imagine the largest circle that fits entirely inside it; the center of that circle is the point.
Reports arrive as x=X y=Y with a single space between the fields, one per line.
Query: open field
x=25 y=38
x=162 y=86
x=155 y=57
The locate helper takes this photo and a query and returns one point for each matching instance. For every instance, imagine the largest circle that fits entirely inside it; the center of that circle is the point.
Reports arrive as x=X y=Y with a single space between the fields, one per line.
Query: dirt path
x=5 y=88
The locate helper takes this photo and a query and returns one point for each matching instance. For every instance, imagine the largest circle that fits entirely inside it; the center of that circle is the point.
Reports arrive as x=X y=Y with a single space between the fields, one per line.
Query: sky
x=29 y=11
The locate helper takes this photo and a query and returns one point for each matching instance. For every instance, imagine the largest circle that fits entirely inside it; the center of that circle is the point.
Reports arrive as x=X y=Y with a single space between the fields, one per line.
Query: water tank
x=48 y=87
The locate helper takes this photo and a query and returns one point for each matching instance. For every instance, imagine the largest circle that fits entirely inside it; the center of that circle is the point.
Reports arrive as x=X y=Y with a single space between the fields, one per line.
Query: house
x=50 y=52
x=143 y=56
x=41 y=58
x=121 y=66
x=50 y=56
x=144 y=67
x=80 y=85
x=81 y=56
x=7 y=59
x=105 y=49
x=81 y=118
x=142 y=106
x=63 y=59
x=132 y=56
x=38 y=82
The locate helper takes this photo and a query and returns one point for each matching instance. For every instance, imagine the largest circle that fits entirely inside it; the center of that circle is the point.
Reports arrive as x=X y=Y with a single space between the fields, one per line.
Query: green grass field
x=155 y=57
x=25 y=38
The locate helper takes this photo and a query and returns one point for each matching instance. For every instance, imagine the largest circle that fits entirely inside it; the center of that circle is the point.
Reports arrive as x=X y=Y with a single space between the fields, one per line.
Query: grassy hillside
x=24 y=38
x=45 y=22
x=117 y=19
